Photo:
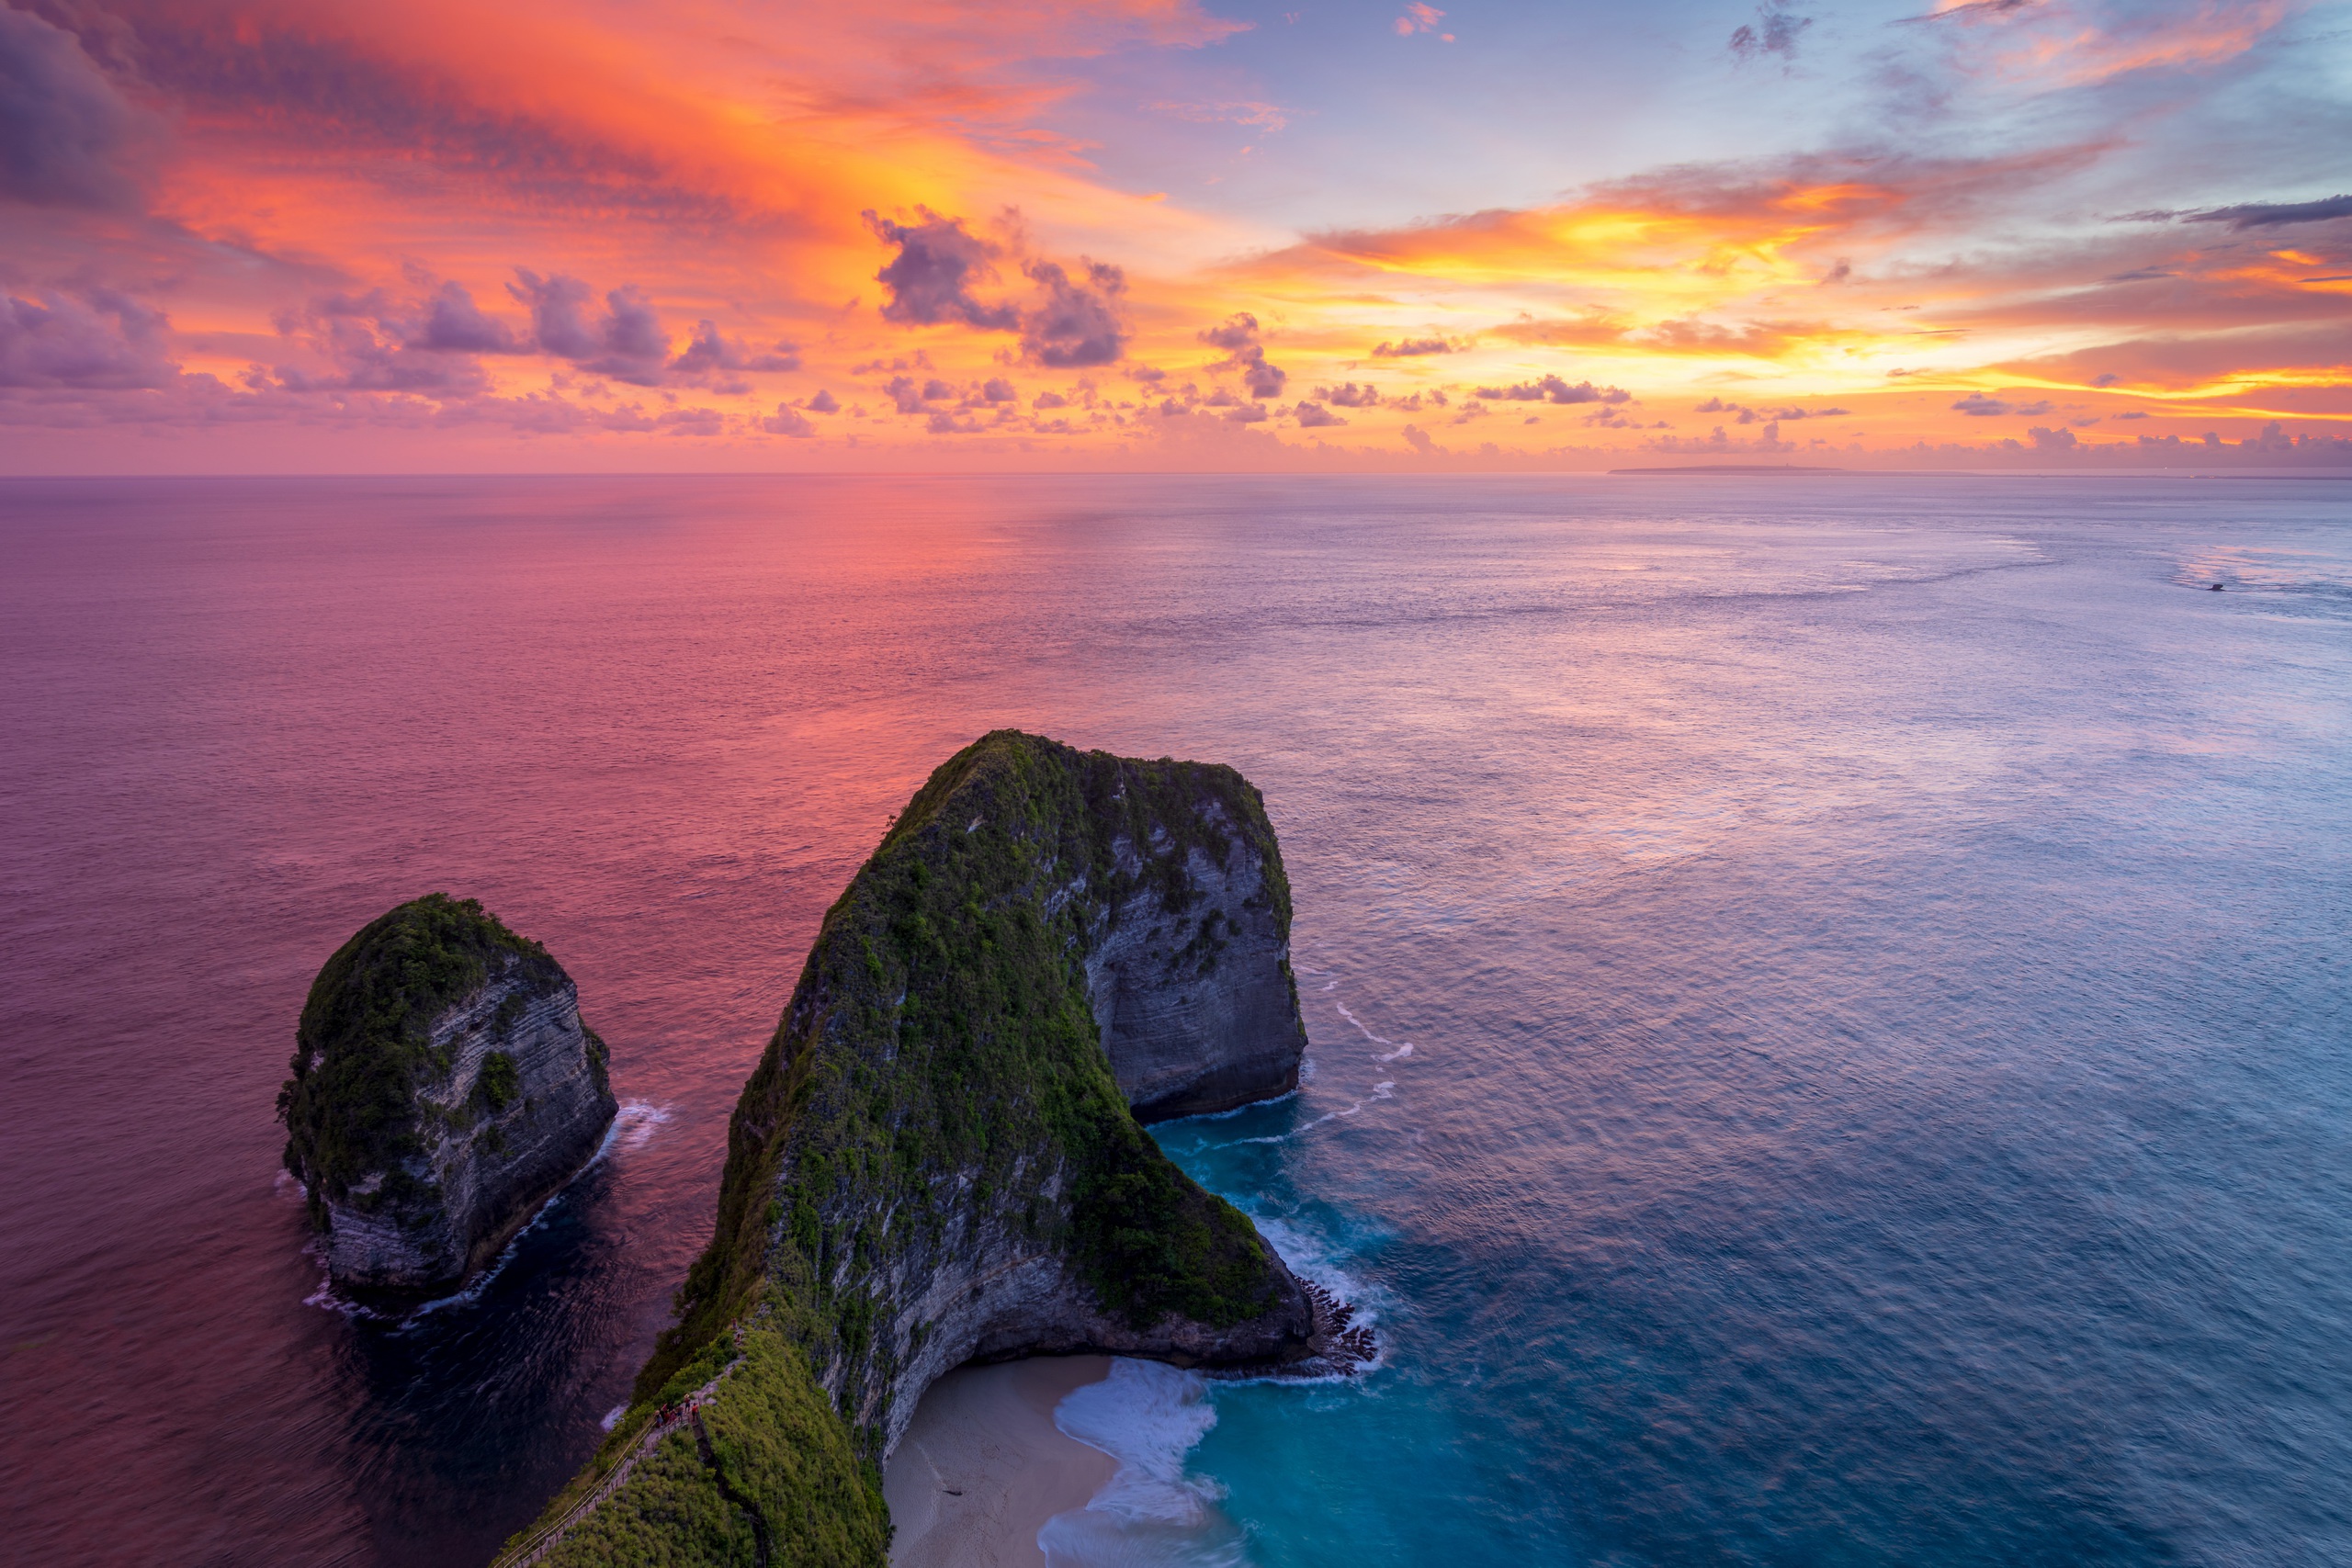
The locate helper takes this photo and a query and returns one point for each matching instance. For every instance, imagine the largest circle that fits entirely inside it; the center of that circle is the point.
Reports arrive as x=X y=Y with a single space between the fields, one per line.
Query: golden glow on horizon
x=709 y=164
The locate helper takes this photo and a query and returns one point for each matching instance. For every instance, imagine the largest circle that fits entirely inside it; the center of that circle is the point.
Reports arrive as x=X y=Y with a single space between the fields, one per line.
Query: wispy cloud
x=1265 y=116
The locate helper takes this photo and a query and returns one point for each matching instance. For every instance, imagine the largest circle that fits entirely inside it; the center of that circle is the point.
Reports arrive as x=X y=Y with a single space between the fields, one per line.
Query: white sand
x=987 y=1433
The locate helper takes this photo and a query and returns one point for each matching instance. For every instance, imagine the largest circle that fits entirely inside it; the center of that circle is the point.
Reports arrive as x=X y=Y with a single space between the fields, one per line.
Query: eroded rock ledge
x=937 y=1159
x=443 y=1088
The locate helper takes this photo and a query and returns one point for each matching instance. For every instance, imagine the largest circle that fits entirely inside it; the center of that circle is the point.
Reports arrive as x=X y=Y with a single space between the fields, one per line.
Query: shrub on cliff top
x=363 y=1046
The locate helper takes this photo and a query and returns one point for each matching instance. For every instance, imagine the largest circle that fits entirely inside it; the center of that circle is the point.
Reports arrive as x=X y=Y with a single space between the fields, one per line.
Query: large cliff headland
x=938 y=1159
x=443 y=1088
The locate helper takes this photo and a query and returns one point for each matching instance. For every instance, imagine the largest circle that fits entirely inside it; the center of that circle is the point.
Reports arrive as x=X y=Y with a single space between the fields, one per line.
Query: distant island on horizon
x=1735 y=468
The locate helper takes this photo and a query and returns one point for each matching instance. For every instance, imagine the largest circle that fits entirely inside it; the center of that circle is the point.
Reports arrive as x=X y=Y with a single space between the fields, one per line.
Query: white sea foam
x=1245 y=1109
x=326 y=1298
x=1306 y=1127
x=1352 y=1018
x=612 y=1417
x=1398 y=1053
x=1311 y=1256
x=632 y=1125
x=1148 y=1416
x=481 y=1283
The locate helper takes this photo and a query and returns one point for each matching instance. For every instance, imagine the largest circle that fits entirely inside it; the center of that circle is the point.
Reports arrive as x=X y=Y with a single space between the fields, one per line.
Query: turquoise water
x=1872 y=952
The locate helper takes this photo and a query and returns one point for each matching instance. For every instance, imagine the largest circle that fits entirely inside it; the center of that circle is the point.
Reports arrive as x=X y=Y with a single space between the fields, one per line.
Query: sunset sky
x=1151 y=233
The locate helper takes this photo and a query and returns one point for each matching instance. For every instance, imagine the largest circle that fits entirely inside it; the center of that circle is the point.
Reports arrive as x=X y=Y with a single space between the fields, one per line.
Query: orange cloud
x=592 y=221
x=2056 y=44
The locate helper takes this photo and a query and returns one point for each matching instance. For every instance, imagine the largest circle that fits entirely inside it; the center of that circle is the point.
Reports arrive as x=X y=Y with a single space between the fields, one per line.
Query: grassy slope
x=941 y=1026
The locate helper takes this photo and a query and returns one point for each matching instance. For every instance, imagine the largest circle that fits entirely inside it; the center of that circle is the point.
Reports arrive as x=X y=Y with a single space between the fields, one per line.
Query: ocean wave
x=1148 y=1416
x=1315 y=1258
x=632 y=1128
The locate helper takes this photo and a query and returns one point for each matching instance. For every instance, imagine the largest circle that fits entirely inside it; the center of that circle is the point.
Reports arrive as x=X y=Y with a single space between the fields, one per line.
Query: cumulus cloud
x=98 y=338
x=1767 y=440
x=2053 y=440
x=1239 y=332
x=1077 y=324
x=1347 y=395
x=1751 y=415
x=904 y=395
x=370 y=342
x=710 y=351
x=1776 y=31
x=67 y=137
x=558 y=322
x=1238 y=336
x=1406 y=348
x=633 y=336
x=453 y=323
x=823 y=402
x=1313 y=416
x=627 y=343
x=1553 y=389
x=932 y=276
x=787 y=421
x=430 y=346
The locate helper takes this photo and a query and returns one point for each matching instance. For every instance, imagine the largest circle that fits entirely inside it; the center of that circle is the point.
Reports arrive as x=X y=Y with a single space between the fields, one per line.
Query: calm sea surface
x=1874 y=955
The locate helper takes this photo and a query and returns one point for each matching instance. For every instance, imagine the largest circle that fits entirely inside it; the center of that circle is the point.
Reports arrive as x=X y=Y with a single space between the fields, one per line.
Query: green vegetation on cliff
x=938 y=1076
x=770 y=1477
x=364 y=1043
x=971 y=1042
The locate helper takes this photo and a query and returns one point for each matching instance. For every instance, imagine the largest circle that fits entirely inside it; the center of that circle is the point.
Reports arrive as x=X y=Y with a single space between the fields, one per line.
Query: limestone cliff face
x=1195 y=996
x=935 y=1161
x=443 y=1088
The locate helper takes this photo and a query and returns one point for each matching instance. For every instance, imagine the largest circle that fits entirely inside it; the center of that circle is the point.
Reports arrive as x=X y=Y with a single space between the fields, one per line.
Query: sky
x=301 y=235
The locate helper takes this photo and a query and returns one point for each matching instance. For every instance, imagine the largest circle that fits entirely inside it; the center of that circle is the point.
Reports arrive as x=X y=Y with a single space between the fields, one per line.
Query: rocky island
x=443 y=1088
x=938 y=1159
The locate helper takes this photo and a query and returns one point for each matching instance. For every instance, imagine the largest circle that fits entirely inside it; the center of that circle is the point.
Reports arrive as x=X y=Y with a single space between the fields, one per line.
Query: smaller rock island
x=443 y=1088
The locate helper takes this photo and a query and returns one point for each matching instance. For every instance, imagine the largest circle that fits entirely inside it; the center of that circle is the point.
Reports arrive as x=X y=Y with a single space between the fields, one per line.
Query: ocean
x=1828 y=996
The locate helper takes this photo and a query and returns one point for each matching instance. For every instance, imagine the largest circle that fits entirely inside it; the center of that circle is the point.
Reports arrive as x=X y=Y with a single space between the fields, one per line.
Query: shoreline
x=982 y=1466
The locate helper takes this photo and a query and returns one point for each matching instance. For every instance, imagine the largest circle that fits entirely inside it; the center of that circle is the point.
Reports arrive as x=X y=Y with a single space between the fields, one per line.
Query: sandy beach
x=983 y=1466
